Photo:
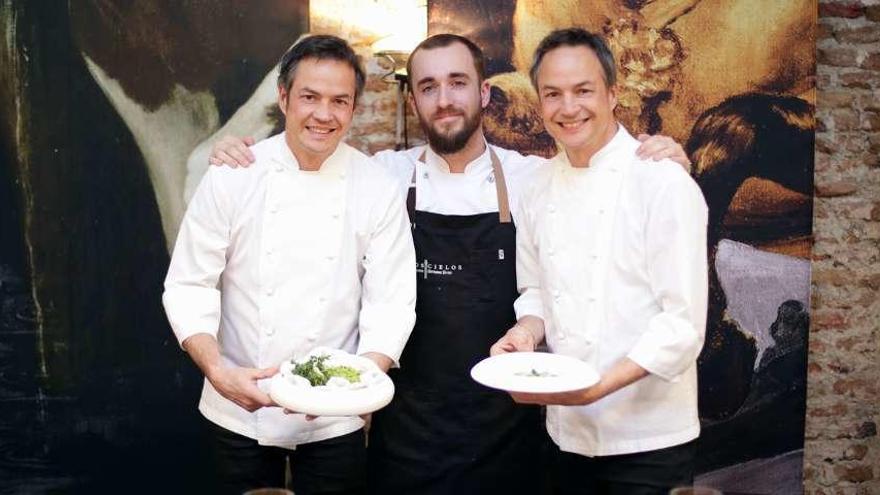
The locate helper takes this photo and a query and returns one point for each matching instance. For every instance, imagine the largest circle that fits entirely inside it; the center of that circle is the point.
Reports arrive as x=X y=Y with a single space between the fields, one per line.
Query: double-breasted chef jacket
x=274 y=261
x=613 y=257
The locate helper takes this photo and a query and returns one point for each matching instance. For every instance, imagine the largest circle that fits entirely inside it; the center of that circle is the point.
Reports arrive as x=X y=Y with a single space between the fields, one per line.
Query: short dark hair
x=320 y=47
x=446 y=39
x=575 y=37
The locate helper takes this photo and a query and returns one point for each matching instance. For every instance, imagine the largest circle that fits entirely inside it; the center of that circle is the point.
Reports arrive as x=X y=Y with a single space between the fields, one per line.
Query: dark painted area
x=115 y=408
x=488 y=24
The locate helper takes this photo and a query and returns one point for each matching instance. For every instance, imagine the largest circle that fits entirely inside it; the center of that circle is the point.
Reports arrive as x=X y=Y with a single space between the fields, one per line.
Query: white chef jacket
x=470 y=193
x=616 y=255
x=273 y=261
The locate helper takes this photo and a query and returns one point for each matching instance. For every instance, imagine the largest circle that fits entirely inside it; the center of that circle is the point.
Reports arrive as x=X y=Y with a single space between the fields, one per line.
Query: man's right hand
x=517 y=339
x=235 y=383
x=240 y=385
x=232 y=151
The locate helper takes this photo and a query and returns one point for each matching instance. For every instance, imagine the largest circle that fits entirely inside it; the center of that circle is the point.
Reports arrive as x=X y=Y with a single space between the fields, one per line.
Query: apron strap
x=500 y=189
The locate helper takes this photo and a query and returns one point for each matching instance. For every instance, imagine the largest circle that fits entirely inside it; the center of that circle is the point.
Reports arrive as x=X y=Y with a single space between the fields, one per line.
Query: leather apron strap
x=500 y=189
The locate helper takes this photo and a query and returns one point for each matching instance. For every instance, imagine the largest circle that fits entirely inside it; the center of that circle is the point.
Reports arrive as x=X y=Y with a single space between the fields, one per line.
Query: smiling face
x=448 y=96
x=577 y=105
x=318 y=109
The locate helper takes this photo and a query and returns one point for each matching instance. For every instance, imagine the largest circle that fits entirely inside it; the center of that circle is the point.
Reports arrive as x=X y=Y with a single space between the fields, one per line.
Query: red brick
x=845 y=119
x=859 y=35
x=859 y=80
x=828 y=319
x=818 y=347
x=854 y=387
x=824 y=31
x=854 y=474
x=834 y=189
x=871 y=62
x=850 y=10
x=837 y=57
x=836 y=99
x=824 y=145
x=855 y=452
x=824 y=412
x=874 y=143
x=870 y=121
x=847 y=344
x=831 y=276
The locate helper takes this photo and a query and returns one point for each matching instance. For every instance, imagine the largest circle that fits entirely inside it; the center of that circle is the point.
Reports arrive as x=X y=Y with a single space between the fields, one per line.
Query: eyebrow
x=577 y=85
x=306 y=89
x=451 y=75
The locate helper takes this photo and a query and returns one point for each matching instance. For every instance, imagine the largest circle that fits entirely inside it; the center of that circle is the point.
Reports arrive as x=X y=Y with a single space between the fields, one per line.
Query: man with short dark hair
x=611 y=268
x=308 y=247
x=442 y=432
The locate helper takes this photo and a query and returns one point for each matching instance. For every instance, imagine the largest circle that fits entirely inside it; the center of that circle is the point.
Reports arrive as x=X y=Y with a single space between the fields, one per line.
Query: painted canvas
x=103 y=103
x=735 y=82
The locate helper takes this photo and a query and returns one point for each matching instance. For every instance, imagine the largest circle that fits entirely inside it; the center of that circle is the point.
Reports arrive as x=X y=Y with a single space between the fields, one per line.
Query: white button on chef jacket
x=627 y=278
x=274 y=261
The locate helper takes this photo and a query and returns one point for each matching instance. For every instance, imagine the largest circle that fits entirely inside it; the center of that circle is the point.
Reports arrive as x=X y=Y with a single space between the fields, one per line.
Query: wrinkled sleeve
x=388 y=299
x=527 y=268
x=192 y=297
x=678 y=271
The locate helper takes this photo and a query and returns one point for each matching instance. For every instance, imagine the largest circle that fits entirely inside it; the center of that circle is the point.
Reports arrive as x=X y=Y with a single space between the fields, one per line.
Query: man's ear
x=485 y=93
x=412 y=102
x=282 y=99
x=612 y=97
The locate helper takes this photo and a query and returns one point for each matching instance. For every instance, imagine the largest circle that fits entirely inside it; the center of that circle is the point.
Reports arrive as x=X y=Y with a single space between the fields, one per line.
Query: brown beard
x=444 y=144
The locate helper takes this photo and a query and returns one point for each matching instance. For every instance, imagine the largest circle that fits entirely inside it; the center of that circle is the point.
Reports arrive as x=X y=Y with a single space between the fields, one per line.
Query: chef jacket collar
x=434 y=159
x=605 y=157
x=332 y=164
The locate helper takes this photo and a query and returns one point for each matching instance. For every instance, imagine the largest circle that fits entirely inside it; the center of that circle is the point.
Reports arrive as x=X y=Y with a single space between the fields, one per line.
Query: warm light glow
x=392 y=25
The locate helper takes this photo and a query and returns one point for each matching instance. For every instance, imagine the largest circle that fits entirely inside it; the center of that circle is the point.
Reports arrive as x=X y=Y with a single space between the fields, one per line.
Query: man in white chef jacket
x=611 y=268
x=424 y=442
x=308 y=247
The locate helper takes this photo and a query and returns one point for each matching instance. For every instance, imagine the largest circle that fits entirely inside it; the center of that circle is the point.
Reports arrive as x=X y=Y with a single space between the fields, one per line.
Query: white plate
x=515 y=372
x=374 y=391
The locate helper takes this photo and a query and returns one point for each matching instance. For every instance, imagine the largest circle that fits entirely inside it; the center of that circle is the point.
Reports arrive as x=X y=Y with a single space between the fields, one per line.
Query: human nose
x=322 y=111
x=568 y=105
x=443 y=97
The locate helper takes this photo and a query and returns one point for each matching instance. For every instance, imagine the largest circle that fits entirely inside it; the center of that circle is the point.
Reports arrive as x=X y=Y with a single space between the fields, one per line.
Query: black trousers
x=644 y=473
x=336 y=466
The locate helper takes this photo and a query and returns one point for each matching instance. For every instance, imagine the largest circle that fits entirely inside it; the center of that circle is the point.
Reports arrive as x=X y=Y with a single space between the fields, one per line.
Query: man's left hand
x=659 y=147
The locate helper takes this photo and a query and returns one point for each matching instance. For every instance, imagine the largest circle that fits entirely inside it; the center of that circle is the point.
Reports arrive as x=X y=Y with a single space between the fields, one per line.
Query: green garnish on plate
x=318 y=373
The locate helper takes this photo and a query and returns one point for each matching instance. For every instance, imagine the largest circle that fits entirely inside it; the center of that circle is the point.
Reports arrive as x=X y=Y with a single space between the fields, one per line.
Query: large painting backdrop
x=103 y=102
x=108 y=111
x=734 y=81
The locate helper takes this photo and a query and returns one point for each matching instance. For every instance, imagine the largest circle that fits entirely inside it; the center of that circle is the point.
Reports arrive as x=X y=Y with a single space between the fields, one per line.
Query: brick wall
x=842 y=449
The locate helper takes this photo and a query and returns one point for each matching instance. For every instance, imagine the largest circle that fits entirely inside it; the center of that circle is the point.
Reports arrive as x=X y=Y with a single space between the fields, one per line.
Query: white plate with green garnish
x=534 y=372
x=330 y=382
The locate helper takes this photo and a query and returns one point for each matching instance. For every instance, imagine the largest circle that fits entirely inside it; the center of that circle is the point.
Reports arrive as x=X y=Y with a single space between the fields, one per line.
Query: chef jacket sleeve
x=527 y=268
x=388 y=300
x=191 y=297
x=678 y=272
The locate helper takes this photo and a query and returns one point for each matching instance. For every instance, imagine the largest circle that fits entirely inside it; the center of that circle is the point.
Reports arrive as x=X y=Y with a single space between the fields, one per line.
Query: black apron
x=443 y=433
